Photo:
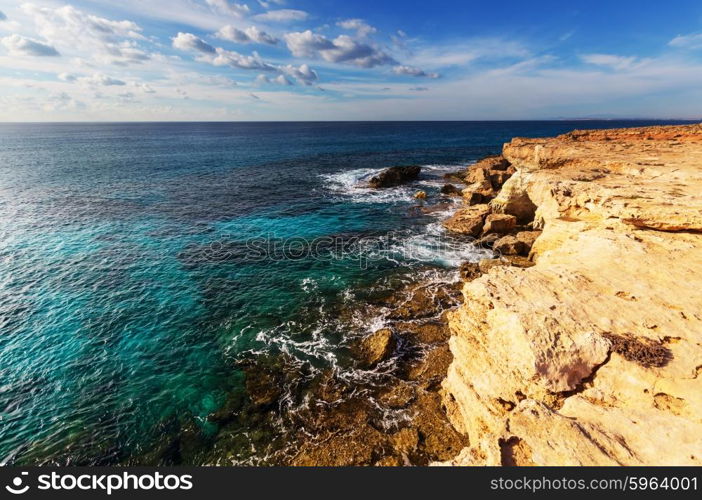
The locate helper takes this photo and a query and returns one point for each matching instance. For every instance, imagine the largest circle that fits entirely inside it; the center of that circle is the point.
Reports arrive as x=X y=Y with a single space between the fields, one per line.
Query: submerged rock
x=394 y=176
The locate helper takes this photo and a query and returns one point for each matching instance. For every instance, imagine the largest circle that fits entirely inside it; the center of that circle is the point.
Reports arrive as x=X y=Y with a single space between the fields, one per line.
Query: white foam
x=352 y=184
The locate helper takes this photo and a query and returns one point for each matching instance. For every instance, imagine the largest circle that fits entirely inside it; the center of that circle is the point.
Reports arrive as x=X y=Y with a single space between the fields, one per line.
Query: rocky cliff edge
x=593 y=356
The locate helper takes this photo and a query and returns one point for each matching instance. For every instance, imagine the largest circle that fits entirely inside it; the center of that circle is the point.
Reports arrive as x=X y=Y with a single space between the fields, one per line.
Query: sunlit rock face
x=593 y=356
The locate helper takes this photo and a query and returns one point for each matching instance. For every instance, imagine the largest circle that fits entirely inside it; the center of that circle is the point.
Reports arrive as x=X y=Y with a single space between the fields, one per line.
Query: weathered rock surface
x=468 y=220
x=499 y=223
x=376 y=347
x=394 y=176
x=509 y=245
x=593 y=356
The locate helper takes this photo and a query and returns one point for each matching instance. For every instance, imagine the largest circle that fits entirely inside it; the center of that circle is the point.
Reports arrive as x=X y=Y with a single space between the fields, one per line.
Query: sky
x=230 y=60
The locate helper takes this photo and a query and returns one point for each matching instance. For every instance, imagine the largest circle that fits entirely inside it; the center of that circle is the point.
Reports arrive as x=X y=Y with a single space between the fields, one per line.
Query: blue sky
x=348 y=60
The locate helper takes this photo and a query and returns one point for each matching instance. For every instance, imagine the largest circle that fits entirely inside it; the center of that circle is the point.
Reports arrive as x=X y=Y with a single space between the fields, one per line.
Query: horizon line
x=97 y=122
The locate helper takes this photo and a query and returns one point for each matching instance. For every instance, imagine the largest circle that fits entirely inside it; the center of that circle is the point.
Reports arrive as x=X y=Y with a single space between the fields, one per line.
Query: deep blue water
x=127 y=291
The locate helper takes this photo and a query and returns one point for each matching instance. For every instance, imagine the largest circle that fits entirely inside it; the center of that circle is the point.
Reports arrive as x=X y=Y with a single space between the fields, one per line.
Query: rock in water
x=394 y=176
x=451 y=190
x=420 y=195
x=376 y=347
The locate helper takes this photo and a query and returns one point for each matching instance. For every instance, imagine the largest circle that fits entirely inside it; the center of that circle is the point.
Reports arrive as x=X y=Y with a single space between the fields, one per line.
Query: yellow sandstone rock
x=594 y=355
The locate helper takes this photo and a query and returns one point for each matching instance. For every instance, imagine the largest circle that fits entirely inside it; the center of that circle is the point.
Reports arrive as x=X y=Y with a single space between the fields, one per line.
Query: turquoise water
x=128 y=291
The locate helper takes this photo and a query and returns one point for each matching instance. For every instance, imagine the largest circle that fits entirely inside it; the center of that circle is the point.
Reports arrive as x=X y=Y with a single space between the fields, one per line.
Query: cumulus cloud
x=233 y=8
x=70 y=28
x=67 y=77
x=100 y=80
x=218 y=56
x=189 y=42
x=303 y=74
x=282 y=16
x=610 y=61
x=235 y=60
x=18 y=45
x=412 y=71
x=692 y=41
x=278 y=80
x=361 y=28
x=343 y=49
x=250 y=35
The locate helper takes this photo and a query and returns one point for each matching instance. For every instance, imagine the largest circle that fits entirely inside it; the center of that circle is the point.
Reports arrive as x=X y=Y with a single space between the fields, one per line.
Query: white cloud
x=413 y=71
x=611 y=61
x=18 y=45
x=71 y=29
x=235 y=60
x=233 y=8
x=278 y=80
x=219 y=56
x=67 y=77
x=270 y=3
x=464 y=52
x=250 y=35
x=303 y=74
x=361 y=28
x=692 y=41
x=100 y=80
x=343 y=49
x=189 y=42
x=282 y=16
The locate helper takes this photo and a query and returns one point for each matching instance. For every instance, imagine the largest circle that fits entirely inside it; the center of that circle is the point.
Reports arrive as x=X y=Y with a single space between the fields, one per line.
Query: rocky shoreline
x=578 y=343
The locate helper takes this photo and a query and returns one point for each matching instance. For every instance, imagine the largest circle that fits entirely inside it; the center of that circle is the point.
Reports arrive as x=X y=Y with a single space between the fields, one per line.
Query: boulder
x=499 y=223
x=468 y=220
x=513 y=199
x=451 y=190
x=528 y=238
x=459 y=176
x=497 y=162
x=376 y=347
x=509 y=245
x=394 y=176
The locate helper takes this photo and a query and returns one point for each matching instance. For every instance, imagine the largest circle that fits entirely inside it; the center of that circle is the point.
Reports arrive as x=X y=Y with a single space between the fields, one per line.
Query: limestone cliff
x=593 y=356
